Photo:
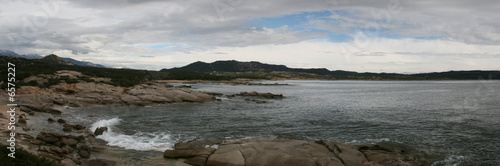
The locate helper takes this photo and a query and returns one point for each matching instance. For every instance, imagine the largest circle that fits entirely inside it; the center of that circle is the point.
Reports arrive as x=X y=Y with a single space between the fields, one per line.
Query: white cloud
x=381 y=55
x=466 y=34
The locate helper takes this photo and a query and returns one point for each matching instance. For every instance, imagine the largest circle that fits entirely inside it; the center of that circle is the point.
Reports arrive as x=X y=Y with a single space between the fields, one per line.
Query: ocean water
x=453 y=122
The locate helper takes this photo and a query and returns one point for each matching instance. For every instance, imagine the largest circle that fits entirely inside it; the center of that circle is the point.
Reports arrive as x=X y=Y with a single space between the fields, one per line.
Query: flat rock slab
x=348 y=154
x=272 y=152
x=227 y=155
x=186 y=153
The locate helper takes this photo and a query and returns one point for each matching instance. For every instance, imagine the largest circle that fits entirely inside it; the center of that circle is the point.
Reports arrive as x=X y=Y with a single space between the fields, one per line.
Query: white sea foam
x=453 y=160
x=158 y=141
x=139 y=141
x=222 y=98
x=214 y=146
x=369 y=141
x=107 y=123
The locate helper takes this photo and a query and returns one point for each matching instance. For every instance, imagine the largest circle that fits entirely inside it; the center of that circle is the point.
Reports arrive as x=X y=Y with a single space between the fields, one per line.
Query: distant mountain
x=461 y=75
x=31 y=56
x=8 y=53
x=50 y=59
x=236 y=66
x=231 y=66
x=82 y=63
x=54 y=59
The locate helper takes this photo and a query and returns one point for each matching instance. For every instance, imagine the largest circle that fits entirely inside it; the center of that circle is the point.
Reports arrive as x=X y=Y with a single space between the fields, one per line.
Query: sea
x=449 y=122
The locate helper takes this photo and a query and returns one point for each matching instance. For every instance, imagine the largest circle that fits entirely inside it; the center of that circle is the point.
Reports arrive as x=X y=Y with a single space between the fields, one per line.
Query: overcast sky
x=403 y=36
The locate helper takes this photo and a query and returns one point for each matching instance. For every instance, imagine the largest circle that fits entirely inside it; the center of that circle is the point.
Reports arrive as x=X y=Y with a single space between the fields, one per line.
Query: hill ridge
x=54 y=59
x=251 y=66
x=51 y=60
x=233 y=66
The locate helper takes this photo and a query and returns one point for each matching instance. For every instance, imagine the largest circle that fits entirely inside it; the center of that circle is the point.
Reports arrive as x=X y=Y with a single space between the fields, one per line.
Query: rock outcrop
x=39 y=108
x=93 y=94
x=59 y=146
x=64 y=148
x=261 y=95
x=100 y=130
x=286 y=152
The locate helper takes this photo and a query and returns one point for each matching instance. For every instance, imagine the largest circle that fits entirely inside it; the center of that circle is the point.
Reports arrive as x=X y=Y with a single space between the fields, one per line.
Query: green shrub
x=51 y=82
x=22 y=158
x=71 y=81
x=64 y=77
x=4 y=86
x=86 y=79
x=33 y=83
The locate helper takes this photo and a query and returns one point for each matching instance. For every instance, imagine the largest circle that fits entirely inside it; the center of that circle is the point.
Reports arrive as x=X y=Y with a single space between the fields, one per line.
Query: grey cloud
x=485 y=55
x=77 y=52
x=461 y=21
x=112 y=3
x=371 y=54
x=116 y=24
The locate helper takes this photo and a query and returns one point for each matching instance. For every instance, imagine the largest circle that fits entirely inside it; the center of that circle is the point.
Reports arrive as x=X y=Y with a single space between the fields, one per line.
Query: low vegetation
x=119 y=77
x=23 y=158
x=226 y=70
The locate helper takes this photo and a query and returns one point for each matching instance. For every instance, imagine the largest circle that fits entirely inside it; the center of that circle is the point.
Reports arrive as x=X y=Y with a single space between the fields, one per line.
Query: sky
x=400 y=36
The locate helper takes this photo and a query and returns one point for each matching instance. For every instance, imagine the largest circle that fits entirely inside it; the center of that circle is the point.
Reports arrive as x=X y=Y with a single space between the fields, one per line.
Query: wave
x=369 y=141
x=107 y=122
x=158 y=141
x=451 y=160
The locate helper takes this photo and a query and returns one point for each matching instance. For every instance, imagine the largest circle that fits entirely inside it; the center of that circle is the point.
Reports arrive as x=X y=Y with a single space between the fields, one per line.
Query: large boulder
x=68 y=162
x=84 y=151
x=264 y=152
x=70 y=142
x=100 y=130
x=348 y=154
x=155 y=98
x=48 y=139
x=197 y=150
x=51 y=138
x=84 y=154
x=39 y=108
x=229 y=154
x=186 y=153
x=284 y=152
x=69 y=73
x=133 y=100
x=287 y=152
x=261 y=95
x=85 y=88
x=390 y=156
x=61 y=121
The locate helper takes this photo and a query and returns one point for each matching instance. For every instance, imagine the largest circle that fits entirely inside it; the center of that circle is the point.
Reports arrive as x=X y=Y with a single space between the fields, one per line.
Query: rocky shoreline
x=81 y=93
x=214 y=152
x=77 y=145
x=86 y=94
x=93 y=94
